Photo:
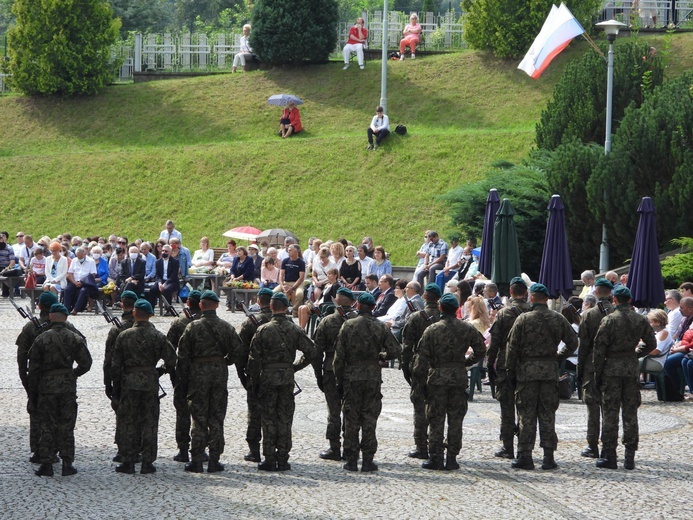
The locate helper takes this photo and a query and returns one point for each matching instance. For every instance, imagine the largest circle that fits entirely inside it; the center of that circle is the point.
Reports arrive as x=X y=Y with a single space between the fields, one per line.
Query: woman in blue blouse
x=381 y=265
x=243 y=267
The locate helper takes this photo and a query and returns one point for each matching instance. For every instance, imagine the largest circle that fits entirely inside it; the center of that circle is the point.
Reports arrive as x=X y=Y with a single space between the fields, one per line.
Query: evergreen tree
x=144 y=15
x=294 y=31
x=61 y=46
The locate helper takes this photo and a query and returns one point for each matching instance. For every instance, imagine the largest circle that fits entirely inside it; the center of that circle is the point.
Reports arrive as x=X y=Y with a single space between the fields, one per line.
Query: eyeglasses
x=122 y=242
x=20 y=236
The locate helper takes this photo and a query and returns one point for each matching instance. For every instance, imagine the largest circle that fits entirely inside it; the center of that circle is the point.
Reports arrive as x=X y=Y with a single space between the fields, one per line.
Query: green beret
x=603 y=282
x=622 y=291
x=281 y=297
x=144 y=305
x=539 y=288
x=48 y=298
x=209 y=295
x=265 y=292
x=129 y=295
x=59 y=307
x=518 y=280
x=433 y=288
x=366 y=298
x=449 y=300
x=195 y=295
x=346 y=292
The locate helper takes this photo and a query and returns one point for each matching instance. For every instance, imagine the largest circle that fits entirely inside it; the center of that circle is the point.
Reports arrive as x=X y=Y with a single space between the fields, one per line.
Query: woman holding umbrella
x=290 y=122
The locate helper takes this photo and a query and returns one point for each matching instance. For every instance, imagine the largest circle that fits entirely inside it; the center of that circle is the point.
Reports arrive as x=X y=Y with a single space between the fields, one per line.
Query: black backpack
x=401 y=130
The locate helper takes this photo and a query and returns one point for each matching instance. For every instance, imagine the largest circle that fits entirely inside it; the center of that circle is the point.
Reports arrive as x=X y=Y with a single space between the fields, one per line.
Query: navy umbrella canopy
x=485 y=261
x=645 y=275
x=506 y=253
x=556 y=272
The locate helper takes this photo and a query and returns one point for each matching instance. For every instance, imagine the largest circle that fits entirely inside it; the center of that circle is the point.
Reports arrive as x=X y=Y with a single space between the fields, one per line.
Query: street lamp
x=611 y=28
x=383 y=70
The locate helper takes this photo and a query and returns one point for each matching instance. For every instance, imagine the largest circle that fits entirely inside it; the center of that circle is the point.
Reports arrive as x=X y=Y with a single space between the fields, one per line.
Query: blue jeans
x=441 y=279
x=687 y=365
x=671 y=368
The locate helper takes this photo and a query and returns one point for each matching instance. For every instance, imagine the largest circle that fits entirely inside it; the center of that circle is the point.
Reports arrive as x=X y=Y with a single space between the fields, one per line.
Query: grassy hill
x=204 y=151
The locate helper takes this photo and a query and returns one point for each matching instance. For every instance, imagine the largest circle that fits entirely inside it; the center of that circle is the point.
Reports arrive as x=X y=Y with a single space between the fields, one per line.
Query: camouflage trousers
x=361 y=406
x=620 y=394
x=34 y=431
x=592 y=396
x=505 y=394
x=420 y=420
x=334 y=407
x=138 y=424
x=443 y=402
x=57 y=415
x=537 y=400
x=253 y=433
x=207 y=401
x=183 y=421
x=277 y=407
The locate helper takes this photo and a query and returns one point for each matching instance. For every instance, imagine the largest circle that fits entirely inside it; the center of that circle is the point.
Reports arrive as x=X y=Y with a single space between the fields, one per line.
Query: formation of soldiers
x=349 y=350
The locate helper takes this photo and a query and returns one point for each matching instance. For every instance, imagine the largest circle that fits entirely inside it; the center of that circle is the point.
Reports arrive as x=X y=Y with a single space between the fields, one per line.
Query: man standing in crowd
x=136 y=388
x=362 y=343
x=53 y=389
x=411 y=334
x=532 y=367
x=440 y=367
x=617 y=347
x=271 y=371
x=291 y=276
x=170 y=232
x=325 y=340
x=497 y=352
x=205 y=350
x=81 y=283
x=591 y=393
x=434 y=261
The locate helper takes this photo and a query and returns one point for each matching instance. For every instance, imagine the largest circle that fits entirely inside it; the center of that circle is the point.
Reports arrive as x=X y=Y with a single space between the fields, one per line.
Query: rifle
x=26 y=314
x=346 y=314
x=252 y=317
x=298 y=389
x=413 y=309
x=108 y=316
x=170 y=308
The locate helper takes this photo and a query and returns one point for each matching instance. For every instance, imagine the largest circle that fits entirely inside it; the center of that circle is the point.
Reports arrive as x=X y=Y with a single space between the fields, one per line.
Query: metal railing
x=649 y=13
x=3 y=84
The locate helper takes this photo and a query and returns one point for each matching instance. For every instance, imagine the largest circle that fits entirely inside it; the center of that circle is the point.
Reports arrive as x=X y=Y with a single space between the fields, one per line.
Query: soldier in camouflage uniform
x=180 y=400
x=440 y=367
x=591 y=394
x=127 y=299
x=253 y=434
x=271 y=371
x=505 y=393
x=532 y=366
x=136 y=388
x=52 y=389
x=205 y=350
x=325 y=339
x=362 y=343
x=411 y=334
x=616 y=353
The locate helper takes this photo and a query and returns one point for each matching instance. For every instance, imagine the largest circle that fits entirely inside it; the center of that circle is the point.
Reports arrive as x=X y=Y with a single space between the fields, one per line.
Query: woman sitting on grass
x=290 y=122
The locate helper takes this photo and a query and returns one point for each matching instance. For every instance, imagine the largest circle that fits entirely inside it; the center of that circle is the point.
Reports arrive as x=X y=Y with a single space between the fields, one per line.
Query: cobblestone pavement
x=485 y=487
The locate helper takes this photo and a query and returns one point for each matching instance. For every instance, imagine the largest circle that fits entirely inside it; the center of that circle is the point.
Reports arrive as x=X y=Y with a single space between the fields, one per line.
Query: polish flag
x=558 y=31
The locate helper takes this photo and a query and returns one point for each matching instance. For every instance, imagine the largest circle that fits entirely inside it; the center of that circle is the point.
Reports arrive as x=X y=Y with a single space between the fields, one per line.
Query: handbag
x=30 y=282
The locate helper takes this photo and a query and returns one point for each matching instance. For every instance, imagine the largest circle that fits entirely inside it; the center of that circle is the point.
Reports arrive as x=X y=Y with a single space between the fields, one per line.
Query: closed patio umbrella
x=645 y=276
x=492 y=204
x=506 y=253
x=556 y=271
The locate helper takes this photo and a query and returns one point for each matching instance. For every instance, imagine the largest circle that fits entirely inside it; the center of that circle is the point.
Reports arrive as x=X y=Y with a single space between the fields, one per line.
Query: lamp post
x=383 y=73
x=611 y=28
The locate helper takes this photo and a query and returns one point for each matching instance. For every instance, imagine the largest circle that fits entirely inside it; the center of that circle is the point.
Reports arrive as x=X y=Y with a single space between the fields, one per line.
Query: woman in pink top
x=411 y=36
x=269 y=274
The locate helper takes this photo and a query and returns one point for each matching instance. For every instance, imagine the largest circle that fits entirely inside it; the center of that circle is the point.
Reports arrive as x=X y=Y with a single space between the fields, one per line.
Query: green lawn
x=204 y=151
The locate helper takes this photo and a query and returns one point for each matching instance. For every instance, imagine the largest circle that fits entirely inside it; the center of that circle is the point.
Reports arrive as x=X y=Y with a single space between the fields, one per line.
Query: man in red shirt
x=358 y=35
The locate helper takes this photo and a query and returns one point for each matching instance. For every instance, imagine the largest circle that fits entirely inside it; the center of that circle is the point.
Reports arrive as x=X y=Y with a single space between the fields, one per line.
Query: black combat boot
x=506 y=452
x=351 y=462
x=253 y=454
x=214 y=465
x=367 y=465
x=68 y=468
x=182 y=455
x=548 y=461
x=421 y=452
x=630 y=459
x=267 y=465
x=451 y=461
x=45 y=470
x=433 y=462
x=333 y=453
x=608 y=461
x=35 y=458
x=146 y=468
x=117 y=458
x=126 y=467
x=283 y=465
x=194 y=467
x=591 y=451
x=524 y=460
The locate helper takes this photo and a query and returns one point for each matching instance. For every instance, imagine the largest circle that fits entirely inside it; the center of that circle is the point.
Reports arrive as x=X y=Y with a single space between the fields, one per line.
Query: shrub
x=678 y=268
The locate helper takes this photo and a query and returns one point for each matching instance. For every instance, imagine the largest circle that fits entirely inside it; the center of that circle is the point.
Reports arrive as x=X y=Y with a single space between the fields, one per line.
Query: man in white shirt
x=80 y=281
x=380 y=127
x=18 y=246
x=170 y=232
x=284 y=253
x=366 y=262
x=452 y=264
x=672 y=299
x=26 y=252
x=309 y=254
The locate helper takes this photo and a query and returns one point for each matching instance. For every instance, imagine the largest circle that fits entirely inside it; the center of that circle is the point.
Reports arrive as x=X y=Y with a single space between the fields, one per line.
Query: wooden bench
x=32 y=294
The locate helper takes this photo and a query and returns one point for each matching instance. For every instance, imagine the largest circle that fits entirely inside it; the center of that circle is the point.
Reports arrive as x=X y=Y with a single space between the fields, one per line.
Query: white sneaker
x=413 y=56
x=362 y=67
x=401 y=58
x=375 y=147
x=346 y=67
x=369 y=147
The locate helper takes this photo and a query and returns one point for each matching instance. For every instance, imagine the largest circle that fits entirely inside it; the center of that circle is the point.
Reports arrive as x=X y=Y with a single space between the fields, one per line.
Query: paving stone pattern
x=485 y=487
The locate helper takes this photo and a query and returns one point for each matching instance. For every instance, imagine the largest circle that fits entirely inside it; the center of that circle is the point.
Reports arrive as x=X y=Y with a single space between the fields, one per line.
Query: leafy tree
x=578 y=107
x=144 y=15
x=529 y=195
x=206 y=11
x=678 y=268
x=652 y=155
x=6 y=17
x=61 y=46
x=294 y=31
x=508 y=27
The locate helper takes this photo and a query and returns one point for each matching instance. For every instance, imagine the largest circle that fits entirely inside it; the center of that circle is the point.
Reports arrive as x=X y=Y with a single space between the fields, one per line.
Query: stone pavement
x=485 y=487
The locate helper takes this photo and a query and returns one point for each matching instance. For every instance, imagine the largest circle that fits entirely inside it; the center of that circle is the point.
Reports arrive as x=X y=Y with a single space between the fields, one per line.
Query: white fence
x=649 y=13
x=3 y=85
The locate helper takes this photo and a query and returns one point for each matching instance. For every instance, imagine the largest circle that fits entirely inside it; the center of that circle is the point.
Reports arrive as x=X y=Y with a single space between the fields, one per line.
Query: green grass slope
x=204 y=151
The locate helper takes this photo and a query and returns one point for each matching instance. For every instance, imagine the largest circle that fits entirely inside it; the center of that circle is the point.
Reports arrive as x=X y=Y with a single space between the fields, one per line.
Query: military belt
x=208 y=359
x=277 y=365
x=57 y=371
x=449 y=365
x=625 y=354
x=130 y=370
x=365 y=363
